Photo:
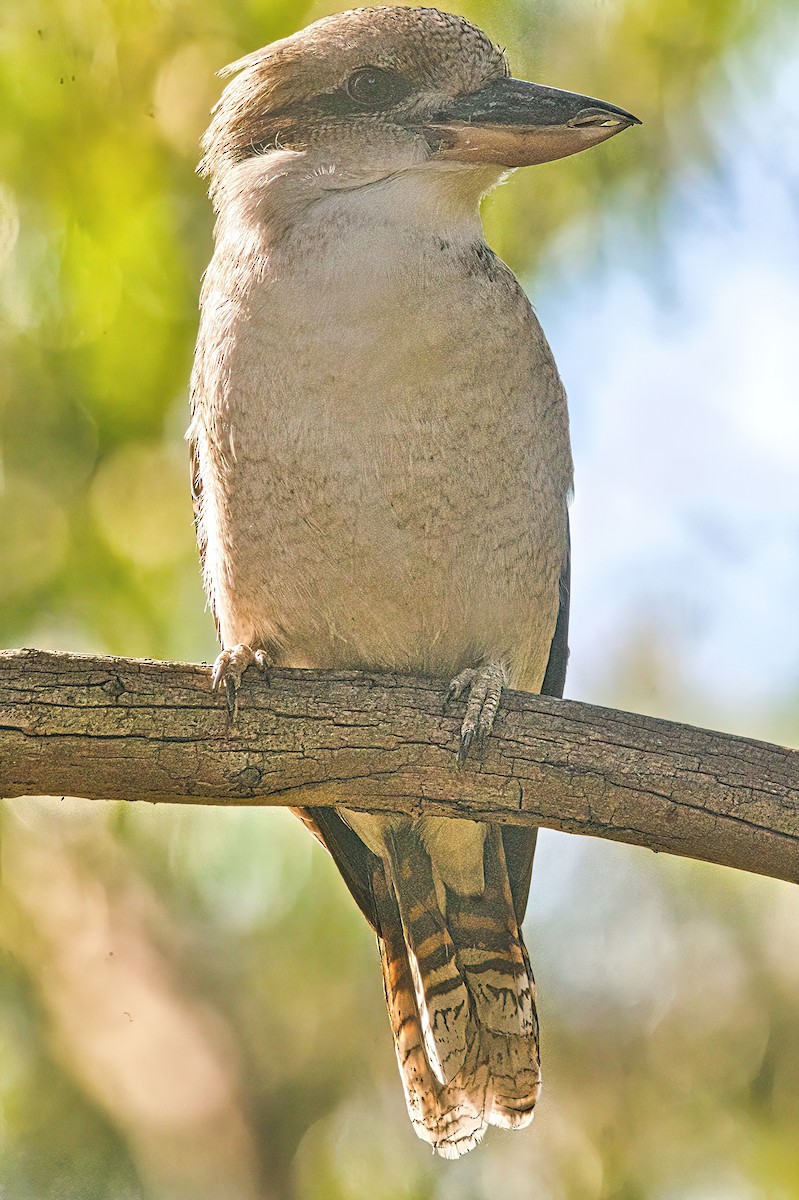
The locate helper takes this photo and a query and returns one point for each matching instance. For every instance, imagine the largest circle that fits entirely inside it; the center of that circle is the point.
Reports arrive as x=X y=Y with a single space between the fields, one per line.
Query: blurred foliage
x=191 y=1005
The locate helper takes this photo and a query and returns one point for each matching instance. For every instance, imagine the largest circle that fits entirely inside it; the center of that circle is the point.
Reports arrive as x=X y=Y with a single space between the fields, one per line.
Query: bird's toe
x=228 y=670
x=485 y=690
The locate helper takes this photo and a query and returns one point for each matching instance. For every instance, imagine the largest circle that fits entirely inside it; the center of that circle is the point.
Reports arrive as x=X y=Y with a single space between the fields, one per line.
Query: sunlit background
x=191 y=1006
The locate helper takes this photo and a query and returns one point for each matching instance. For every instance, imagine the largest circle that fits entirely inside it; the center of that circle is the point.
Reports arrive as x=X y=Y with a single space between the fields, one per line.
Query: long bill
x=513 y=123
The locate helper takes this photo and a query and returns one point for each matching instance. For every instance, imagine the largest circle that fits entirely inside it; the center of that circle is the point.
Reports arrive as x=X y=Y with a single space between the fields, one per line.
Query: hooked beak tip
x=602 y=118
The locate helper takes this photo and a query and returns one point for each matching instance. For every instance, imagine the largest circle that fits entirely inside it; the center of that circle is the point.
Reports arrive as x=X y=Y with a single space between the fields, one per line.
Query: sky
x=685 y=416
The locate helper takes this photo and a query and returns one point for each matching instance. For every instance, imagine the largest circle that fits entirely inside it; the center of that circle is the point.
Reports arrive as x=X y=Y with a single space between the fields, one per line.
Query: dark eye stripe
x=280 y=125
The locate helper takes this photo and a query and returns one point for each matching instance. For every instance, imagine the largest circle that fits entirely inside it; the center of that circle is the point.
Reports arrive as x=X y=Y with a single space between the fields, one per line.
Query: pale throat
x=289 y=199
x=431 y=197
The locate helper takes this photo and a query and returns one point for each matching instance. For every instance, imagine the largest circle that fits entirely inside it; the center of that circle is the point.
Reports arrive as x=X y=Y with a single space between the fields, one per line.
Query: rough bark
x=132 y=729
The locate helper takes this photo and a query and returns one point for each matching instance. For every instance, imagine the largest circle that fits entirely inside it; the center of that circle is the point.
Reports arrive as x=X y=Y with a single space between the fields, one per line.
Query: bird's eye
x=372 y=87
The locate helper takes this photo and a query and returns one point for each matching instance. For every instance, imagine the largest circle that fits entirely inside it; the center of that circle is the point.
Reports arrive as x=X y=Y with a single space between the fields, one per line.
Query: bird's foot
x=227 y=672
x=485 y=686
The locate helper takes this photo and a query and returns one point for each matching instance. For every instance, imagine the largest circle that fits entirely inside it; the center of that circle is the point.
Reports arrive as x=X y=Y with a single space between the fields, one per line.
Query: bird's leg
x=485 y=686
x=228 y=669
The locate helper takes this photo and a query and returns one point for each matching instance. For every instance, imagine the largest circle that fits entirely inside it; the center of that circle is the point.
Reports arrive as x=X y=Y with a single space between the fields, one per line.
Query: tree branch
x=132 y=729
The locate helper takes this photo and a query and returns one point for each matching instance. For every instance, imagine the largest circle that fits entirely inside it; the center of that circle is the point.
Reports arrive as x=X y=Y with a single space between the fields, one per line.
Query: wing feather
x=519 y=843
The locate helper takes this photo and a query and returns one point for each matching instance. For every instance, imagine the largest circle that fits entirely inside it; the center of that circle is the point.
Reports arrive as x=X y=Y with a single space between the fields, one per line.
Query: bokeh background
x=191 y=1006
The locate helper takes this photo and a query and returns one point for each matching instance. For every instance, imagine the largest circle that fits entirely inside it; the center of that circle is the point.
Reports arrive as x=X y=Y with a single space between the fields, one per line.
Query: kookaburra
x=381 y=471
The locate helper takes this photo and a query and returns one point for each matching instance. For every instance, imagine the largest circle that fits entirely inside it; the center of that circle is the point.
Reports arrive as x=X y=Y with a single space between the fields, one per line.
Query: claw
x=485 y=689
x=459 y=684
x=467 y=737
x=227 y=673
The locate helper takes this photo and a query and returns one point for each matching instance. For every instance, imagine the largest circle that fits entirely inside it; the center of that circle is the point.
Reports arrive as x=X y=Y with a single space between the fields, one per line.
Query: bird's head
x=367 y=94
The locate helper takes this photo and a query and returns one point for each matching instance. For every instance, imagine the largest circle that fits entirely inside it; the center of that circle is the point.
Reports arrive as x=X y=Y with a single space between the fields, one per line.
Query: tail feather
x=460 y=997
x=448 y=1116
x=442 y=998
x=497 y=973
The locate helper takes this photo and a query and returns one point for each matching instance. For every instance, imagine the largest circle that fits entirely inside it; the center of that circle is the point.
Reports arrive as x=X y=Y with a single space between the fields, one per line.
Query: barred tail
x=460 y=996
x=497 y=970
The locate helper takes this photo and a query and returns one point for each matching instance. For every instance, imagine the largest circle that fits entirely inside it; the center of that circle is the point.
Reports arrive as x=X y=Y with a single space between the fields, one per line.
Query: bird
x=381 y=472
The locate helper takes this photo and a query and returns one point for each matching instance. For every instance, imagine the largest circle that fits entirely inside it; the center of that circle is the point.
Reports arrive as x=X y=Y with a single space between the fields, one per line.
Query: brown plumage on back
x=381 y=470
